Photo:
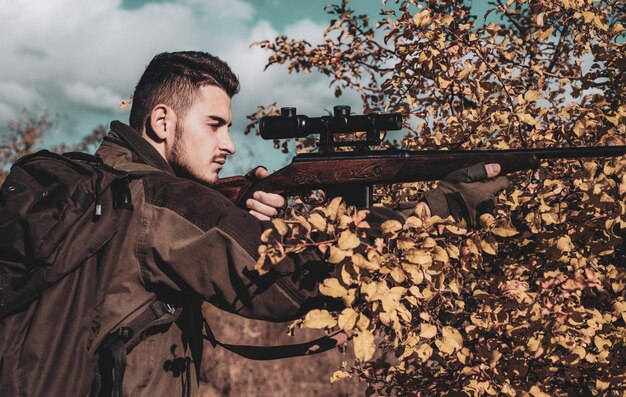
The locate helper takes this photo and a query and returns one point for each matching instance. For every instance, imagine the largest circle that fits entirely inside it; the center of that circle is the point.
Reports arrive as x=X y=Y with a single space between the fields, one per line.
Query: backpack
x=44 y=198
x=58 y=215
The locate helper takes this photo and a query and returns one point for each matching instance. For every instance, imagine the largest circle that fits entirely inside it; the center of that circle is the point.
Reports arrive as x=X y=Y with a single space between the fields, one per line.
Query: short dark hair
x=174 y=78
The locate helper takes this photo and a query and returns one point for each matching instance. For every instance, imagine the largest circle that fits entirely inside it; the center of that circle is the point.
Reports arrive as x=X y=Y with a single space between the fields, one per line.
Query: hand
x=264 y=205
x=467 y=193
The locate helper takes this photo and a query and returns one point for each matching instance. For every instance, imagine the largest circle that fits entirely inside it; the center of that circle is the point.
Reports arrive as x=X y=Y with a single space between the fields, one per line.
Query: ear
x=163 y=121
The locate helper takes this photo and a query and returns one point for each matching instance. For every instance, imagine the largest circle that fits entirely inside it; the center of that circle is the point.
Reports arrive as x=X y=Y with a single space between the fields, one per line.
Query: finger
x=271 y=199
x=259 y=216
x=477 y=172
x=261 y=172
x=261 y=208
x=493 y=170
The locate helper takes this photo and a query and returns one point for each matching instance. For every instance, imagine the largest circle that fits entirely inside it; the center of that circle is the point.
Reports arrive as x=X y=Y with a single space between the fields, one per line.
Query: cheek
x=195 y=147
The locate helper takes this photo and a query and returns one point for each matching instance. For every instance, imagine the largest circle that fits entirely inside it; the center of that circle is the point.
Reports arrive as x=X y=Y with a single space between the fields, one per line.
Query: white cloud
x=17 y=94
x=307 y=30
x=6 y=112
x=101 y=44
x=78 y=57
x=95 y=97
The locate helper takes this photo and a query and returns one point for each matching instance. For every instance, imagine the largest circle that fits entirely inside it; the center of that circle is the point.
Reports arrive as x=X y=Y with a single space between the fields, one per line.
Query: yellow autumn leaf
x=526 y=118
x=601 y=343
x=564 y=244
x=419 y=257
x=451 y=337
x=534 y=343
x=413 y=222
x=374 y=290
x=535 y=391
x=390 y=226
x=335 y=208
x=588 y=16
x=364 y=346
x=440 y=254
x=339 y=375
x=532 y=95
x=348 y=240
x=504 y=231
x=280 y=226
x=337 y=255
x=125 y=103
x=620 y=306
x=331 y=287
x=459 y=231
x=346 y=277
x=347 y=319
x=318 y=221
x=318 y=319
x=550 y=218
x=345 y=221
x=453 y=251
x=486 y=220
x=429 y=242
x=422 y=18
x=349 y=298
x=490 y=248
x=428 y=331
x=363 y=322
x=398 y=275
x=391 y=299
x=360 y=261
x=443 y=83
x=416 y=275
x=543 y=35
x=266 y=235
x=259 y=266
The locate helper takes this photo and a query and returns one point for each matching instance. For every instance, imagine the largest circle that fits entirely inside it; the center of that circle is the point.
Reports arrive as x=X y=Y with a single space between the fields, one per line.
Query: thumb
x=493 y=170
x=261 y=172
x=257 y=173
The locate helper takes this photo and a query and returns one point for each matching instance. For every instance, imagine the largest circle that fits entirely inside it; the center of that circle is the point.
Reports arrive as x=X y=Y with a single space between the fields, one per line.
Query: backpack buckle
x=170 y=309
x=125 y=333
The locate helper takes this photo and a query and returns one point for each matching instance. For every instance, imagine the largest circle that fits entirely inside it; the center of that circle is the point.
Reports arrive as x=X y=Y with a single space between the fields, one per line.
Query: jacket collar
x=141 y=150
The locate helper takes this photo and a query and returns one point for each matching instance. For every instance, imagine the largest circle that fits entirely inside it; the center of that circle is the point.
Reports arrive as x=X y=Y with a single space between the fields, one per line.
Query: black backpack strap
x=316 y=346
x=112 y=352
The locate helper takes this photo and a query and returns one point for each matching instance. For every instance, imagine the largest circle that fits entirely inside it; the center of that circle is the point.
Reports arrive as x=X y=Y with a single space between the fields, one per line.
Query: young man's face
x=202 y=139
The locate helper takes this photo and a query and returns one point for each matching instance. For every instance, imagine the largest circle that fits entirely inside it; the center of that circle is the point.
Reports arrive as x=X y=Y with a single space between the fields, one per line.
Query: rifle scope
x=290 y=125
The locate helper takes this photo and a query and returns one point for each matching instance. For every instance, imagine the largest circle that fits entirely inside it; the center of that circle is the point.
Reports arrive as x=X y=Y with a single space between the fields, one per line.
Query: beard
x=179 y=161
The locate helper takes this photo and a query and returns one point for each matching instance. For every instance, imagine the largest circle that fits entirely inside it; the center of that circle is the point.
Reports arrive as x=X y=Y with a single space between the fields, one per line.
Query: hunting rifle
x=352 y=174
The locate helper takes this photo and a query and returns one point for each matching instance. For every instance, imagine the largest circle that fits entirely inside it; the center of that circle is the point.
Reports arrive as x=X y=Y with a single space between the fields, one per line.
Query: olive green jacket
x=185 y=243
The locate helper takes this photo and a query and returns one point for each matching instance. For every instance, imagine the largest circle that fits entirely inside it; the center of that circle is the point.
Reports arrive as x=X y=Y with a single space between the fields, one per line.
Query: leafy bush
x=533 y=303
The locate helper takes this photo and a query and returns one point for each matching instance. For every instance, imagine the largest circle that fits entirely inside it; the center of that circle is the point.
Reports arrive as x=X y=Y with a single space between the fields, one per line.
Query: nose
x=226 y=143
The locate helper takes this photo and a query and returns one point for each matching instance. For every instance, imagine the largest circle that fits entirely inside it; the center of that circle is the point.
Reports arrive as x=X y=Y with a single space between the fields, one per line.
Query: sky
x=79 y=59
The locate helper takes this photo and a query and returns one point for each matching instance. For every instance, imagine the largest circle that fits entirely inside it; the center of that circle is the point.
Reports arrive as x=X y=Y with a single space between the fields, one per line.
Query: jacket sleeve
x=194 y=239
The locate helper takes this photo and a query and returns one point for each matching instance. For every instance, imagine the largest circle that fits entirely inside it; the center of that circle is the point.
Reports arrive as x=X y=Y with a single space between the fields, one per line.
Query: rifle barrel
x=393 y=166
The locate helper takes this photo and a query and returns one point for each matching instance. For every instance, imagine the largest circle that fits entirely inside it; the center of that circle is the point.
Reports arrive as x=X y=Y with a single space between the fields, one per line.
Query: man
x=184 y=243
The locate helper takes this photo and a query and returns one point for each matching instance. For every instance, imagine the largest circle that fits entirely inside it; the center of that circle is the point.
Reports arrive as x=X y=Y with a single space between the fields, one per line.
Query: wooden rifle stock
x=347 y=172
